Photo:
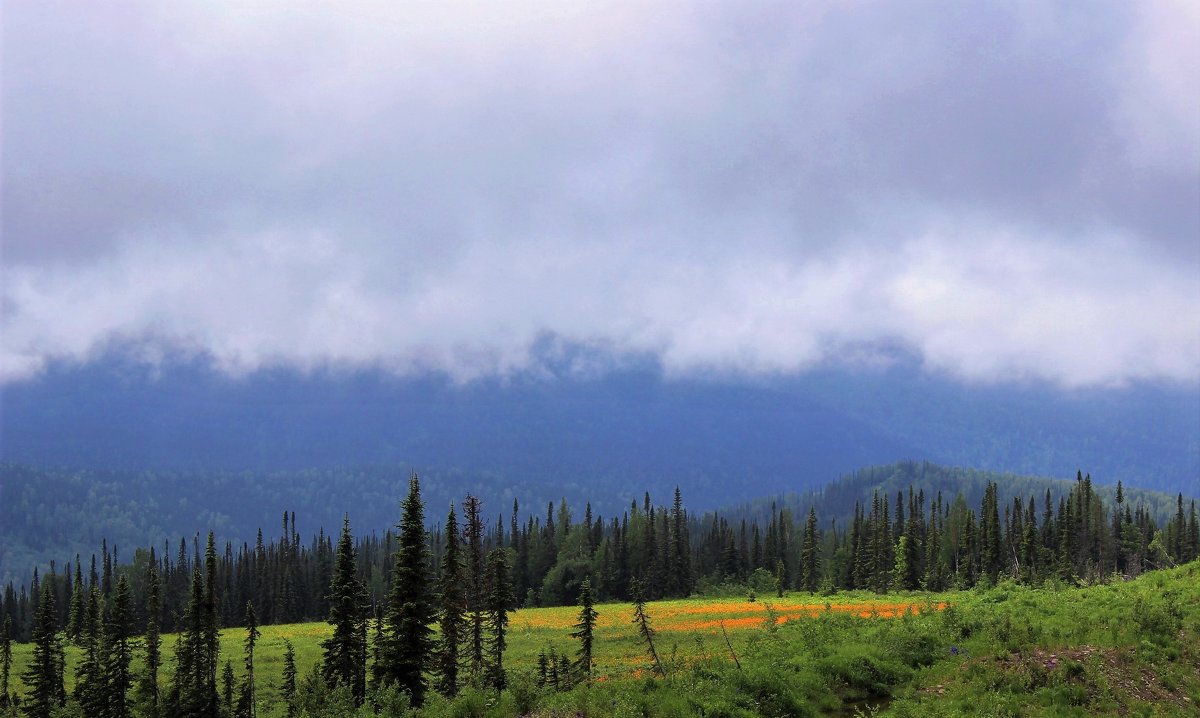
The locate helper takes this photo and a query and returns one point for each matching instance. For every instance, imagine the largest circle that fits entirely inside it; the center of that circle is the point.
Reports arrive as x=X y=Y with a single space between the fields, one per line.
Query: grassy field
x=1128 y=648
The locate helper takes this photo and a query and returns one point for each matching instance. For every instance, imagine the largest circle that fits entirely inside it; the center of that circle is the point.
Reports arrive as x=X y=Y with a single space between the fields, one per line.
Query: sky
x=1006 y=191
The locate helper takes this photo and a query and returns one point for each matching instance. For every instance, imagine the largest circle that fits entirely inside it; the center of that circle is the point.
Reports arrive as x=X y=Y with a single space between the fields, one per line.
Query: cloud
x=1010 y=192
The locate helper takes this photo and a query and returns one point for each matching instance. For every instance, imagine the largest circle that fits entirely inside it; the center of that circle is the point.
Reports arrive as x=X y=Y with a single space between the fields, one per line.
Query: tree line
x=383 y=595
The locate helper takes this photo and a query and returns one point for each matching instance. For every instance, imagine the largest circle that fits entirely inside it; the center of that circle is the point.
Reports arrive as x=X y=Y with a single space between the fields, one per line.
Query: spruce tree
x=346 y=650
x=476 y=591
x=187 y=695
x=211 y=643
x=75 y=615
x=810 y=557
x=148 y=685
x=5 y=659
x=407 y=642
x=118 y=652
x=247 y=702
x=500 y=601
x=452 y=609
x=585 y=629
x=227 y=688
x=642 y=621
x=44 y=676
x=90 y=689
x=288 y=690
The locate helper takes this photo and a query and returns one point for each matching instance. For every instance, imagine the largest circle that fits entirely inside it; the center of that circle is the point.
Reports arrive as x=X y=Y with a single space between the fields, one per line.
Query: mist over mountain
x=629 y=423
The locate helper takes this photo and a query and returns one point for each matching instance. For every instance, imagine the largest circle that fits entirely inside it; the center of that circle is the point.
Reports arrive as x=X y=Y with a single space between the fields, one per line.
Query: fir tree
x=476 y=593
x=407 y=641
x=90 y=690
x=452 y=613
x=584 y=630
x=211 y=643
x=75 y=616
x=148 y=685
x=500 y=601
x=44 y=676
x=642 y=620
x=187 y=697
x=5 y=658
x=287 y=691
x=227 y=688
x=118 y=652
x=810 y=559
x=247 y=702
x=346 y=650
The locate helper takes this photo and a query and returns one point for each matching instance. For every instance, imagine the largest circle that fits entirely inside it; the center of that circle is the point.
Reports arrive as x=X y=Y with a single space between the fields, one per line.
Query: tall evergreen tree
x=75 y=615
x=148 y=684
x=476 y=593
x=118 y=677
x=585 y=629
x=500 y=601
x=227 y=690
x=810 y=556
x=247 y=701
x=452 y=609
x=44 y=676
x=642 y=620
x=188 y=695
x=90 y=689
x=211 y=643
x=5 y=659
x=407 y=642
x=287 y=691
x=345 y=661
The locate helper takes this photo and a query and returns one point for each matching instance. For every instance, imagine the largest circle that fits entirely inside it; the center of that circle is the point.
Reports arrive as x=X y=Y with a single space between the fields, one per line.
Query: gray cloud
x=1010 y=190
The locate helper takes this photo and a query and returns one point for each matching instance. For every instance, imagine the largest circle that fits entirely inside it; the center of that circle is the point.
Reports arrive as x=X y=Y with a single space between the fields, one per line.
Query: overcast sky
x=1008 y=191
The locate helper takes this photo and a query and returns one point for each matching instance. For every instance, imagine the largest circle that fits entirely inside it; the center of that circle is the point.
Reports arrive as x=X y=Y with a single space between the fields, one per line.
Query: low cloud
x=1008 y=193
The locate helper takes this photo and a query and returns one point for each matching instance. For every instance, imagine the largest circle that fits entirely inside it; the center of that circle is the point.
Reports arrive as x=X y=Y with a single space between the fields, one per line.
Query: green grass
x=1116 y=649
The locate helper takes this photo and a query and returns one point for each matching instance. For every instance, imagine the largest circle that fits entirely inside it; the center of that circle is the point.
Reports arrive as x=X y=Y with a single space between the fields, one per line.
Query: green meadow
x=1121 y=648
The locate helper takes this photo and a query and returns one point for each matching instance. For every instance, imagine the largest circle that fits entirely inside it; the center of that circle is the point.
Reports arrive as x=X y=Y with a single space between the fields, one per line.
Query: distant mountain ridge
x=625 y=425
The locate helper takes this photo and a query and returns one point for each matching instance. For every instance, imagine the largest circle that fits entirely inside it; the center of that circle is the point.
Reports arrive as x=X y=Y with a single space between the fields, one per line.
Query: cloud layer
x=1008 y=191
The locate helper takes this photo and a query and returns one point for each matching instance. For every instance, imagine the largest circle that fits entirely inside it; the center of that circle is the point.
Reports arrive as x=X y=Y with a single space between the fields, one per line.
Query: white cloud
x=1011 y=193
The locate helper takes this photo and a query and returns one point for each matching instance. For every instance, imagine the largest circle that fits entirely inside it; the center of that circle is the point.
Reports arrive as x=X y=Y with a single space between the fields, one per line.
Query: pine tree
x=934 y=571
x=346 y=650
x=288 y=690
x=474 y=563
x=5 y=659
x=227 y=688
x=44 y=676
x=210 y=637
x=118 y=652
x=407 y=642
x=247 y=701
x=500 y=601
x=584 y=630
x=453 y=605
x=75 y=616
x=90 y=690
x=148 y=684
x=188 y=697
x=990 y=549
x=810 y=559
x=642 y=621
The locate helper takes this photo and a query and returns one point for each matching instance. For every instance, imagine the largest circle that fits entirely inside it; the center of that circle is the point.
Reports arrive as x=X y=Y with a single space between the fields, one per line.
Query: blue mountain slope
x=623 y=432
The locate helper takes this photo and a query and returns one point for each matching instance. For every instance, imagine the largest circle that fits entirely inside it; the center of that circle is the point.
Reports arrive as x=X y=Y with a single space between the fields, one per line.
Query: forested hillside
x=50 y=514
x=383 y=596
x=902 y=540
x=620 y=427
